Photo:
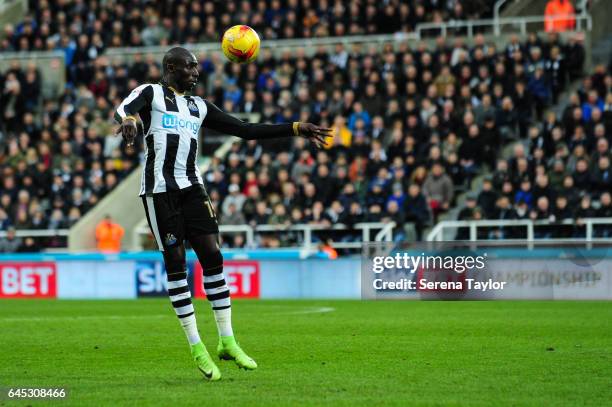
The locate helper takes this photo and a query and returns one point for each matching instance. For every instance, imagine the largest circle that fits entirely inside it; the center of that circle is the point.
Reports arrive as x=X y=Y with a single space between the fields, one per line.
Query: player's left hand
x=314 y=133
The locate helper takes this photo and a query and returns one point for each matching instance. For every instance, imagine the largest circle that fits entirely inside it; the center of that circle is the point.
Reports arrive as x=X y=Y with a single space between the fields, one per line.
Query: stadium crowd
x=413 y=126
x=82 y=27
x=58 y=157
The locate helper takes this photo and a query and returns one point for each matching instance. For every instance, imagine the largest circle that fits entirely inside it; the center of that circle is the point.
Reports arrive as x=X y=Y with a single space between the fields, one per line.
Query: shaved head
x=176 y=56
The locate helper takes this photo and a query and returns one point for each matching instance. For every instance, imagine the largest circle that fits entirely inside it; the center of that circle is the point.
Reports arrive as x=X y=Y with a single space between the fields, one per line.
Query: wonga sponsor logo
x=28 y=280
x=242 y=279
x=170 y=121
x=151 y=279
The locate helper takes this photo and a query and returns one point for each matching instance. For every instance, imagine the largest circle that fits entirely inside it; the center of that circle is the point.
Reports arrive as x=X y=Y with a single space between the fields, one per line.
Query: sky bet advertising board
x=151 y=278
x=28 y=280
x=242 y=278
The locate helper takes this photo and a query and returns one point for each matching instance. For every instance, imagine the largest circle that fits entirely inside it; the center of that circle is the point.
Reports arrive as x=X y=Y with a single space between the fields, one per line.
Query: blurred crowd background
x=83 y=27
x=415 y=125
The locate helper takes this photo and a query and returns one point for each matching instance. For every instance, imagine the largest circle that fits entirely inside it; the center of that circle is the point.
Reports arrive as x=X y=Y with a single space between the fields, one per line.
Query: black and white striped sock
x=180 y=297
x=217 y=292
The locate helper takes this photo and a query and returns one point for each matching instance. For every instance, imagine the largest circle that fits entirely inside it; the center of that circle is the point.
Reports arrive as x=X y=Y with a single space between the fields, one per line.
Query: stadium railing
x=497 y=8
x=37 y=233
x=584 y=22
x=43 y=233
x=385 y=233
x=437 y=232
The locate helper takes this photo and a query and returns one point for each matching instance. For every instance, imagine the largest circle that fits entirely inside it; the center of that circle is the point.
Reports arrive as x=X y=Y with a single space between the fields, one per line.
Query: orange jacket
x=109 y=235
x=330 y=251
x=559 y=8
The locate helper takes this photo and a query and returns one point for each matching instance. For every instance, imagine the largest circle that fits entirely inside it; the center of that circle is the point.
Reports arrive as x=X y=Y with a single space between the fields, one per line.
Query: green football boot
x=228 y=349
x=204 y=362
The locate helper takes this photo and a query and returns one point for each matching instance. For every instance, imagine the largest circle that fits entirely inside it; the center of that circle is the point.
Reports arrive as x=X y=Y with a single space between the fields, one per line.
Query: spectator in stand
x=416 y=209
x=559 y=16
x=233 y=218
x=235 y=197
x=542 y=211
x=471 y=152
x=487 y=199
x=503 y=211
x=524 y=194
x=593 y=102
x=575 y=56
x=585 y=210
x=438 y=189
x=109 y=235
x=604 y=211
x=5 y=222
x=466 y=213
x=562 y=212
x=393 y=213
x=601 y=178
x=11 y=243
x=30 y=245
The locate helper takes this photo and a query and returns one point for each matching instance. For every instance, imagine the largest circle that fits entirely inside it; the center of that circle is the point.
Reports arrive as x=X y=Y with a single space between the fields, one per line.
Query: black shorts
x=178 y=215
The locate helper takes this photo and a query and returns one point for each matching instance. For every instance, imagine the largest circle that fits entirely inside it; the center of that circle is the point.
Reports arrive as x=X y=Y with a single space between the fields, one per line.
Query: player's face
x=187 y=73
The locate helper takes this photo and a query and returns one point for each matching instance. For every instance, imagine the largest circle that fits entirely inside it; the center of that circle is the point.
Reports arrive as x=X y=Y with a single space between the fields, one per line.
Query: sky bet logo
x=170 y=121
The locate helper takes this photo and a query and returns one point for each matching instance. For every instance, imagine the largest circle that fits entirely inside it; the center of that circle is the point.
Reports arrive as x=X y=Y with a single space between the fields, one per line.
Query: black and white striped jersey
x=171 y=123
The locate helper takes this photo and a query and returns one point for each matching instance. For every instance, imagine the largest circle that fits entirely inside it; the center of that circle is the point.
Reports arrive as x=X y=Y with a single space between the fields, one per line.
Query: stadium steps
x=600 y=53
x=600 y=36
x=122 y=204
x=523 y=8
x=460 y=198
x=11 y=11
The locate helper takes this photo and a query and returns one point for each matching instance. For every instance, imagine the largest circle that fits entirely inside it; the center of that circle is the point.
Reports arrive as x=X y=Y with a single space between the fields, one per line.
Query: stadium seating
x=58 y=158
x=84 y=29
x=456 y=107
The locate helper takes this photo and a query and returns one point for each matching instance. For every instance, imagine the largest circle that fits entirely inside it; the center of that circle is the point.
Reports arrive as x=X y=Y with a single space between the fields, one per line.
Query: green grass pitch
x=134 y=353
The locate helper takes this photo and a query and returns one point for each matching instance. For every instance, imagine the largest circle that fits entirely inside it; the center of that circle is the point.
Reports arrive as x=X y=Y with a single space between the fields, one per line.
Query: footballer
x=175 y=200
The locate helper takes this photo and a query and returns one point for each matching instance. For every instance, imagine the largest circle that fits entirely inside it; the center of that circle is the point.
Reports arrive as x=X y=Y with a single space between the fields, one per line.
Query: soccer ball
x=240 y=44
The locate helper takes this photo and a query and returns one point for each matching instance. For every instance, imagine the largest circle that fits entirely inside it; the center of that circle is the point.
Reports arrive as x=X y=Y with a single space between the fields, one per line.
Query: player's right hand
x=128 y=130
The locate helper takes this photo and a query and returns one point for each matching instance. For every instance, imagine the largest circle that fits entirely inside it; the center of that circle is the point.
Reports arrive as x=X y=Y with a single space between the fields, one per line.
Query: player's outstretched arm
x=217 y=119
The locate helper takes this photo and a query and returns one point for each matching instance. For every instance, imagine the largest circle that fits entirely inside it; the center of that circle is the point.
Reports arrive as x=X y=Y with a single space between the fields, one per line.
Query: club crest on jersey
x=192 y=106
x=170 y=239
x=170 y=121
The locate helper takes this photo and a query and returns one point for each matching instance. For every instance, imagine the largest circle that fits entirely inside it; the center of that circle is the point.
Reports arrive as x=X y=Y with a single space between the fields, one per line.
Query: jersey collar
x=172 y=89
x=176 y=91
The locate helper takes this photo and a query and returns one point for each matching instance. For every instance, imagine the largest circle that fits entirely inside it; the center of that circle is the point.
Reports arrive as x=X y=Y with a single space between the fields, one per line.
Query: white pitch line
x=309 y=310
x=87 y=317
x=316 y=310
